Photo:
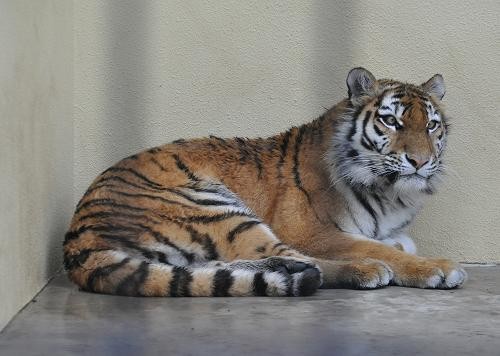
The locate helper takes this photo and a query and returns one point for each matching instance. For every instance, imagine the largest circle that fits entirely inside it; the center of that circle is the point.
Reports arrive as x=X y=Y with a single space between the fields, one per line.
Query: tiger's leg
x=407 y=269
x=364 y=273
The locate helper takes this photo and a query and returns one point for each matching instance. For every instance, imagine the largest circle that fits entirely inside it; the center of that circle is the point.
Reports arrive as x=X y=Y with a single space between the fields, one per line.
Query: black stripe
x=203 y=190
x=379 y=202
x=158 y=164
x=205 y=241
x=318 y=130
x=132 y=157
x=377 y=130
x=401 y=226
x=296 y=172
x=131 y=285
x=207 y=219
x=125 y=230
x=179 y=141
x=354 y=123
x=258 y=161
x=101 y=272
x=154 y=150
x=185 y=168
x=74 y=234
x=223 y=280
x=281 y=250
x=148 y=196
x=158 y=236
x=180 y=283
x=162 y=258
x=116 y=227
x=392 y=177
x=259 y=284
x=132 y=184
x=112 y=214
x=208 y=188
x=352 y=153
x=277 y=244
x=339 y=228
x=216 y=188
x=271 y=144
x=145 y=179
x=94 y=188
x=408 y=107
x=107 y=202
x=244 y=153
x=124 y=242
x=250 y=150
x=361 y=199
x=241 y=228
x=200 y=201
x=260 y=249
x=368 y=144
x=220 y=139
x=283 y=152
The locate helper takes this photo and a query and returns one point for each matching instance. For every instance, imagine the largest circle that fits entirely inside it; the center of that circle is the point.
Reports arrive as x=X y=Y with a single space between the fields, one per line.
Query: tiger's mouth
x=414 y=176
x=407 y=177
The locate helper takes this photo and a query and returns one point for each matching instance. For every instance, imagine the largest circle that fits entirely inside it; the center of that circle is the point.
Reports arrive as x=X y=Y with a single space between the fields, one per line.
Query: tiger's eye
x=389 y=120
x=432 y=125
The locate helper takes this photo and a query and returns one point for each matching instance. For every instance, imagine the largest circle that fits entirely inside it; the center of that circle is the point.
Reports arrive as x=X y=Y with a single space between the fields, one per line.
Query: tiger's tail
x=115 y=272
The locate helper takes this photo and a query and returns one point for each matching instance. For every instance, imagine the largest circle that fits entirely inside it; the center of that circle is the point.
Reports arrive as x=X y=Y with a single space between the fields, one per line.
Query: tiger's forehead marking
x=396 y=103
x=391 y=104
x=432 y=112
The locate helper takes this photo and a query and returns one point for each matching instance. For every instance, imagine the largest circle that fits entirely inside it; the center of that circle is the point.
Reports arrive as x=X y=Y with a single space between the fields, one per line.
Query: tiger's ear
x=360 y=82
x=435 y=86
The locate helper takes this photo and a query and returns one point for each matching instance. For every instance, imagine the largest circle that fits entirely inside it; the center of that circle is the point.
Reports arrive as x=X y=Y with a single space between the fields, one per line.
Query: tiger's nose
x=416 y=161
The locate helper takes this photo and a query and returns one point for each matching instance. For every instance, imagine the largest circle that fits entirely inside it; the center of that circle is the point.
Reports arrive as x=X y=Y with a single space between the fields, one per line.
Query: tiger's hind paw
x=305 y=283
x=304 y=276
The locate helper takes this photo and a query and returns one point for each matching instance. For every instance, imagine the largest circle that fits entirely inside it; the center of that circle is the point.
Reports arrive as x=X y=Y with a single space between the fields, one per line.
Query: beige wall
x=36 y=135
x=147 y=72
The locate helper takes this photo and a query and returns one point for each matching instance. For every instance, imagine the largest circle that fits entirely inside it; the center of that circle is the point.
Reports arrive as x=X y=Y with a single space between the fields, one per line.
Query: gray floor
x=389 y=321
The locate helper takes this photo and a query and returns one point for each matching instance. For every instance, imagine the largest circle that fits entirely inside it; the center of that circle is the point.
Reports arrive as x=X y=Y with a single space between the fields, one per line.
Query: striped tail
x=114 y=272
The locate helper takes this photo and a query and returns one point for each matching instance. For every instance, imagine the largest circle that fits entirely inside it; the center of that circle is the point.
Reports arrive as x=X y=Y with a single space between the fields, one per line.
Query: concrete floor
x=390 y=321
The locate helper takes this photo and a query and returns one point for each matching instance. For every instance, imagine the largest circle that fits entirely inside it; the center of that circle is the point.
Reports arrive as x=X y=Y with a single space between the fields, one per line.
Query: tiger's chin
x=415 y=184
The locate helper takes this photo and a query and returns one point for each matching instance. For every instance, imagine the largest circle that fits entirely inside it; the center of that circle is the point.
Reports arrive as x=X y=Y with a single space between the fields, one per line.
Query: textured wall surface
x=147 y=72
x=36 y=154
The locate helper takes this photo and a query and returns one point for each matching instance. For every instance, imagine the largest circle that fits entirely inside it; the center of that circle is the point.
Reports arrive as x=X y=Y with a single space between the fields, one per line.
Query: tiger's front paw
x=358 y=274
x=431 y=273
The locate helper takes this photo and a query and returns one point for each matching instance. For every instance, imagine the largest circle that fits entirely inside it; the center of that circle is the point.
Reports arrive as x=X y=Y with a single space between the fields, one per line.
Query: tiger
x=325 y=204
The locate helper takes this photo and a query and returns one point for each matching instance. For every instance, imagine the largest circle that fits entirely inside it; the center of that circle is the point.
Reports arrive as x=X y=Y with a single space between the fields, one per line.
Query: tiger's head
x=392 y=134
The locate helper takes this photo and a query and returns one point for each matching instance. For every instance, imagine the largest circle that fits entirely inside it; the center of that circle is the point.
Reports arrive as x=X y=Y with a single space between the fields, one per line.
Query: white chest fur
x=383 y=217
